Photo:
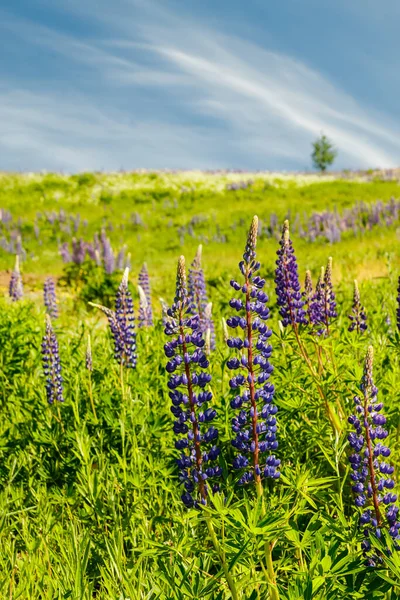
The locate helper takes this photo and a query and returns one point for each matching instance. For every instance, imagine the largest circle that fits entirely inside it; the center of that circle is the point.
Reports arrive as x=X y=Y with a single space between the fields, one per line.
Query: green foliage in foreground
x=90 y=507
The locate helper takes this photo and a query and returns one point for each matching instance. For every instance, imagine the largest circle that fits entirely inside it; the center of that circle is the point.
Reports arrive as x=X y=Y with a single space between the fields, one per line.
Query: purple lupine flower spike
x=121 y=322
x=255 y=424
x=371 y=474
x=199 y=298
x=16 y=289
x=323 y=304
x=124 y=317
x=52 y=364
x=144 y=282
x=358 y=317
x=50 y=300
x=189 y=395
x=287 y=289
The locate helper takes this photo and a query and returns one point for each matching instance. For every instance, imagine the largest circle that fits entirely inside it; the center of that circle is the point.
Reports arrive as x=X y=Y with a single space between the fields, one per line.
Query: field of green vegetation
x=90 y=491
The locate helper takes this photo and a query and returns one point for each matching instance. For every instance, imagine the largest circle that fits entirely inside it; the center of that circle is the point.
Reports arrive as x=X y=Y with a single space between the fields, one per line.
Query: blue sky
x=93 y=84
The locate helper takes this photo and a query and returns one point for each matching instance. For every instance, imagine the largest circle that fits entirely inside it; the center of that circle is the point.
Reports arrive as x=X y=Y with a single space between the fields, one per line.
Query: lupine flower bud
x=255 y=424
x=50 y=300
x=52 y=364
x=358 y=317
x=198 y=297
x=88 y=356
x=371 y=474
x=189 y=396
x=146 y=317
x=287 y=289
x=16 y=289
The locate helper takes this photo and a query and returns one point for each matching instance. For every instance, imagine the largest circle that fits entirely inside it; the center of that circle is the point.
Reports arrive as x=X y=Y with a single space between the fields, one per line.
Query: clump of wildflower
x=146 y=311
x=50 y=300
x=52 y=364
x=358 y=317
x=371 y=474
x=199 y=298
x=287 y=289
x=255 y=424
x=190 y=396
x=16 y=289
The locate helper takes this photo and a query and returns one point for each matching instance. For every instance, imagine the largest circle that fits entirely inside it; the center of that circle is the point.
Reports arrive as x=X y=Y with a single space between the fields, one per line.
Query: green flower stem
x=221 y=556
x=268 y=550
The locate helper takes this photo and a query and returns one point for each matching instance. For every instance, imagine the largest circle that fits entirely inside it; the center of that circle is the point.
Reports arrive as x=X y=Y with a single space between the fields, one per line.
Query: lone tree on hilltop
x=324 y=153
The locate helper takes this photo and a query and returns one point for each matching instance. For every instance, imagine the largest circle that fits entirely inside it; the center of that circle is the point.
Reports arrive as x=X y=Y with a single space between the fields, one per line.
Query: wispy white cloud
x=256 y=107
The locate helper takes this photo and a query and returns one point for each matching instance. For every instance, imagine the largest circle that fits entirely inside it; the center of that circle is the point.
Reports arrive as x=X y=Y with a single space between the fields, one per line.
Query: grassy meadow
x=90 y=498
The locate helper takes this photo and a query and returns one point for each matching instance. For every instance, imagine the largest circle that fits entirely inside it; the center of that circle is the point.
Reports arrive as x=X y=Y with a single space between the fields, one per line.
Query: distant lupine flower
x=120 y=261
x=255 y=424
x=65 y=253
x=78 y=251
x=16 y=289
x=121 y=322
x=287 y=289
x=186 y=361
x=315 y=310
x=358 y=317
x=398 y=304
x=50 y=300
x=144 y=283
x=88 y=356
x=52 y=364
x=198 y=297
x=372 y=484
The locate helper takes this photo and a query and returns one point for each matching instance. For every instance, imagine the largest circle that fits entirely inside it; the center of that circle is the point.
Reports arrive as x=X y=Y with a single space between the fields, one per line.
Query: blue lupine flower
x=199 y=299
x=308 y=294
x=50 y=300
x=254 y=425
x=190 y=396
x=145 y=308
x=16 y=289
x=358 y=317
x=371 y=474
x=289 y=297
x=52 y=364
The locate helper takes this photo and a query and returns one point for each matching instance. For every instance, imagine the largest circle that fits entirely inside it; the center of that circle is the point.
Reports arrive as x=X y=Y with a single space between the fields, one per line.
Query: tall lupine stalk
x=144 y=283
x=358 y=317
x=52 y=364
x=198 y=297
x=89 y=368
x=49 y=296
x=372 y=484
x=185 y=353
x=197 y=446
x=16 y=289
x=289 y=297
x=255 y=425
